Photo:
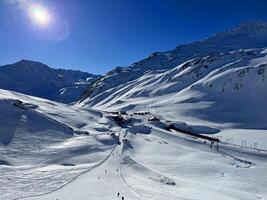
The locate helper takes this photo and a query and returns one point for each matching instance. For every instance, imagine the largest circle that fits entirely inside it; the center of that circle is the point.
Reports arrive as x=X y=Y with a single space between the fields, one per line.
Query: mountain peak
x=253 y=23
x=24 y=62
x=37 y=79
x=251 y=26
x=249 y=34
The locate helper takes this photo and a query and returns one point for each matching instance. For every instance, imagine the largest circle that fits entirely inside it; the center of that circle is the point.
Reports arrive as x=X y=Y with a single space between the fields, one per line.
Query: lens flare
x=39 y=15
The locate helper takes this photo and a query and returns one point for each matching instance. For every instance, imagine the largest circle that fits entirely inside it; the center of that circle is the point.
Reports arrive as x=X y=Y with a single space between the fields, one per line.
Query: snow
x=138 y=172
x=200 y=91
x=194 y=129
x=96 y=183
x=249 y=35
x=196 y=170
x=39 y=149
x=223 y=95
x=51 y=161
x=254 y=138
x=37 y=79
x=50 y=150
x=178 y=172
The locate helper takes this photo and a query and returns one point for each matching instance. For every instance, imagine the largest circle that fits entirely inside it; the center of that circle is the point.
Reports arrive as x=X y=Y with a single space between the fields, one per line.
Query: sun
x=39 y=15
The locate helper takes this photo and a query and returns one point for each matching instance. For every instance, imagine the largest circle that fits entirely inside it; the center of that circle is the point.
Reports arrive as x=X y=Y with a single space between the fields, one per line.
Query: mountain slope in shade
x=37 y=79
x=250 y=34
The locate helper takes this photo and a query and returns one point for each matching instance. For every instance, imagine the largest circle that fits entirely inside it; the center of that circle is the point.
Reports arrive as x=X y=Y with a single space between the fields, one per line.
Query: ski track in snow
x=111 y=181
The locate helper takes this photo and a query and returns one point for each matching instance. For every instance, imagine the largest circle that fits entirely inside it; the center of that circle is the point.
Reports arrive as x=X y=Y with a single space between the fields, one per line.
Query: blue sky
x=97 y=35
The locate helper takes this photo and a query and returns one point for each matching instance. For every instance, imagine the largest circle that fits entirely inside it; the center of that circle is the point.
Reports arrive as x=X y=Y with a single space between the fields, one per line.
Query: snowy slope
x=159 y=164
x=250 y=34
x=221 y=89
x=44 y=144
x=46 y=153
x=37 y=79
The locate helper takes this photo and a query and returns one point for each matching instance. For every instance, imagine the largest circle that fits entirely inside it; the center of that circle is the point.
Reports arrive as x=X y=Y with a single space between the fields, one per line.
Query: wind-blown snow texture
x=37 y=79
x=216 y=87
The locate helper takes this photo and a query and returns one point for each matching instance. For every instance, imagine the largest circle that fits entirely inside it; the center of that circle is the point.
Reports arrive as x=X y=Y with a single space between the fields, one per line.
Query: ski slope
x=45 y=144
x=100 y=182
x=168 y=165
x=51 y=156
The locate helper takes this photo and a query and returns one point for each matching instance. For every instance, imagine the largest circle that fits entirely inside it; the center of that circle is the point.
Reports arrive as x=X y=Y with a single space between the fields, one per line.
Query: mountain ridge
x=188 y=75
x=37 y=79
x=218 y=43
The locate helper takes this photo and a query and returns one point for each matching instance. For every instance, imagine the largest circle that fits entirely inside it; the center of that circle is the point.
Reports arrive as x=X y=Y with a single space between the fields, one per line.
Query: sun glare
x=40 y=15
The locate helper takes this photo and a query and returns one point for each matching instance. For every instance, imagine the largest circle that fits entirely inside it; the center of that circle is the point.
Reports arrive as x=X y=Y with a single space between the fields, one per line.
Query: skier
x=118 y=194
x=122 y=198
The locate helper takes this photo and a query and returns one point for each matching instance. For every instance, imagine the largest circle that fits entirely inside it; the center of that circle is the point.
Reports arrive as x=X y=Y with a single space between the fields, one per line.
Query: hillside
x=203 y=81
x=213 y=88
x=37 y=79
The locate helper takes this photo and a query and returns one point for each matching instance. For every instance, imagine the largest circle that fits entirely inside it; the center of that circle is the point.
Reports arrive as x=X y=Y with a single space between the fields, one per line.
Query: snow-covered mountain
x=215 y=88
x=195 y=126
x=37 y=79
x=211 y=80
